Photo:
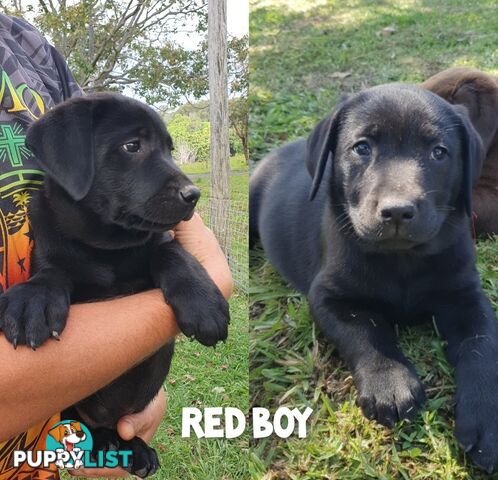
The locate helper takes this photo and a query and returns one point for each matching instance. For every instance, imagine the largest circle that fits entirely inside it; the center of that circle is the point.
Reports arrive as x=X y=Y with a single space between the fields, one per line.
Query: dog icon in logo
x=69 y=435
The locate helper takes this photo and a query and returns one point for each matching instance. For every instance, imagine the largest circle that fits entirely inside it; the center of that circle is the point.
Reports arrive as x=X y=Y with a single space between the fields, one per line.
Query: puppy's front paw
x=389 y=392
x=31 y=313
x=204 y=317
x=476 y=427
x=144 y=460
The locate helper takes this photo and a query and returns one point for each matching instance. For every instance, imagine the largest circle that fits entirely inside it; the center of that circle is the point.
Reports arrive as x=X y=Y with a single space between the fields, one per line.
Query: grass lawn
x=302 y=59
x=202 y=377
x=237 y=163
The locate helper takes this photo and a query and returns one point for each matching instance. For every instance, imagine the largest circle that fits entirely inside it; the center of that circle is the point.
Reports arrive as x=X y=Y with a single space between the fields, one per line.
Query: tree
x=187 y=75
x=113 y=44
x=238 y=113
x=110 y=44
x=239 y=87
x=193 y=132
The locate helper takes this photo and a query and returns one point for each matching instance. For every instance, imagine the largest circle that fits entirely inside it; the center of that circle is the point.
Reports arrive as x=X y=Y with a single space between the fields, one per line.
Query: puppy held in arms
x=100 y=224
x=370 y=217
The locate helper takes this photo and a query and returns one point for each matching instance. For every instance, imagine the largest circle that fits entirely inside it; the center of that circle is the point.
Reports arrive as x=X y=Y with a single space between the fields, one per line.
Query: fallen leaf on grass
x=218 y=390
x=340 y=75
x=386 y=31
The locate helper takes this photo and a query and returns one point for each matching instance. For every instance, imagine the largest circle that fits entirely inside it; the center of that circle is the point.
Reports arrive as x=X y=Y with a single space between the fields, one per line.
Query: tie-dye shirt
x=33 y=79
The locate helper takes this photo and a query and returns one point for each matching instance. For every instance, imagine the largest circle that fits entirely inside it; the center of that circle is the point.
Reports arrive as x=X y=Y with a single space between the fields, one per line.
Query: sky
x=238 y=17
x=237 y=24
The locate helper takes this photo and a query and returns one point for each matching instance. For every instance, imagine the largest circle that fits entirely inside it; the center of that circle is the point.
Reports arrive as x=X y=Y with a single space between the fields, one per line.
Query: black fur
x=387 y=240
x=100 y=226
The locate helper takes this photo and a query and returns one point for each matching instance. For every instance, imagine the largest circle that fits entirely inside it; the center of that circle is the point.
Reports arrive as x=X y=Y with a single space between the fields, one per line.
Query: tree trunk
x=218 y=116
x=245 y=147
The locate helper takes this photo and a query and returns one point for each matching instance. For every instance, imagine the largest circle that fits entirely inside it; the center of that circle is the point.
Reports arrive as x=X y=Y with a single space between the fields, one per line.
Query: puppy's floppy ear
x=320 y=147
x=62 y=142
x=76 y=426
x=473 y=157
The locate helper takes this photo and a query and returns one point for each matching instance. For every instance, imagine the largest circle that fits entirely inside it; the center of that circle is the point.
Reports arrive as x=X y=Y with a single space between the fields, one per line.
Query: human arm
x=104 y=338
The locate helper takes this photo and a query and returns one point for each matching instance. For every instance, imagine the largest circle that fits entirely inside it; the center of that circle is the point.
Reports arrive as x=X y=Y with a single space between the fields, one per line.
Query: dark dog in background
x=370 y=218
x=478 y=92
x=100 y=223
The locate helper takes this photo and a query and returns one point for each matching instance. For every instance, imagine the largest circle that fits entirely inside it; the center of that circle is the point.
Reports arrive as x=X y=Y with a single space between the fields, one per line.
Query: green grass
x=202 y=377
x=302 y=60
x=237 y=162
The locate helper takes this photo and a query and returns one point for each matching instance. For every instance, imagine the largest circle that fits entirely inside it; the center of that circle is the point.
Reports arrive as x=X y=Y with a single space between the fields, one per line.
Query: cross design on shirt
x=12 y=144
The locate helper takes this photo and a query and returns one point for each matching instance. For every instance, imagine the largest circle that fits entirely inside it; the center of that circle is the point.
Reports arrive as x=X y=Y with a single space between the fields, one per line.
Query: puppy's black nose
x=190 y=194
x=397 y=211
x=80 y=434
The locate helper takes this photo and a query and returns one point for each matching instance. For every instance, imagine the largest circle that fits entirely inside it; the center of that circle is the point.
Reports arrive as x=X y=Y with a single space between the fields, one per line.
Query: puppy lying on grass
x=370 y=217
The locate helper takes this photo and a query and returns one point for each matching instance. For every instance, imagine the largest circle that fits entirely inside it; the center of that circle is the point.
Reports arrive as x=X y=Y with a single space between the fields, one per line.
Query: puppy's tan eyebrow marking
x=371 y=131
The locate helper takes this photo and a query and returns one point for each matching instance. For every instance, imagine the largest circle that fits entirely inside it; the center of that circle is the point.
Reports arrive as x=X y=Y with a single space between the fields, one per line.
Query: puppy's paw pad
x=143 y=460
x=389 y=394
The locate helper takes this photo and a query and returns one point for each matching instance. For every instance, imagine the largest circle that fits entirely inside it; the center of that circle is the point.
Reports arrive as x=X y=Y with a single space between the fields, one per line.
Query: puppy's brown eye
x=132 y=147
x=362 y=149
x=439 y=153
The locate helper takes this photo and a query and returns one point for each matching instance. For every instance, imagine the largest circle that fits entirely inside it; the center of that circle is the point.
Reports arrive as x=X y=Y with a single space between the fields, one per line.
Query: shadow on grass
x=301 y=62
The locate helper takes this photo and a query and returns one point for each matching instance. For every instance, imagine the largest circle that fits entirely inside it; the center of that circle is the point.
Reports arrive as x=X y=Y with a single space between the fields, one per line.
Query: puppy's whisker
x=445 y=208
x=344 y=225
x=342 y=217
x=429 y=192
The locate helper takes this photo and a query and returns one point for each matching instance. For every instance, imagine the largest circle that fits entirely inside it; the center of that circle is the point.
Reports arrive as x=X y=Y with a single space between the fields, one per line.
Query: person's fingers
x=144 y=424
x=197 y=239
x=127 y=426
x=99 y=473
x=201 y=242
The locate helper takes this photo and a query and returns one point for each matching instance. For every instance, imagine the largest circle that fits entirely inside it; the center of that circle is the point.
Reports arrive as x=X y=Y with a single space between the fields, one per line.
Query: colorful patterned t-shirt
x=33 y=78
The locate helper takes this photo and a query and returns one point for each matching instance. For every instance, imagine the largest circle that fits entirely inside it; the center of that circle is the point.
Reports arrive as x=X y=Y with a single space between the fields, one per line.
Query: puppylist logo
x=69 y=444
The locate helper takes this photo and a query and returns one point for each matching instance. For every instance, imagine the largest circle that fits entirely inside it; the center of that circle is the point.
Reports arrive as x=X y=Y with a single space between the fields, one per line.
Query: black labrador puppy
x=100 y=224
x=370 y=218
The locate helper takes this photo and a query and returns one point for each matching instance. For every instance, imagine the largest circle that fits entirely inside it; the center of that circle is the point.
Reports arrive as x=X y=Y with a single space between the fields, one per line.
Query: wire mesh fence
x=238 y=224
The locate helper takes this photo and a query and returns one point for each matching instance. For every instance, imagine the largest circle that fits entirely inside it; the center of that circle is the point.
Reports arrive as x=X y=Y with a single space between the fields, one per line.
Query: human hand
x=200 y=242
x=143 y=424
